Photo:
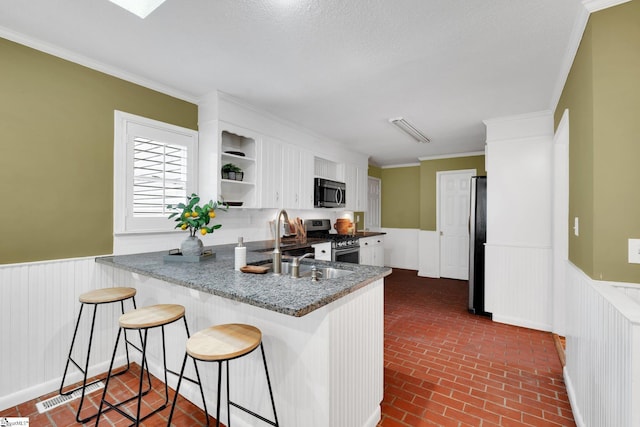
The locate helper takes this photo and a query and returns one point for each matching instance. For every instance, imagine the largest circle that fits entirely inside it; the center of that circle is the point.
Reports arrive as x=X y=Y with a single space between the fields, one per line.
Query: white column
x=518 y=266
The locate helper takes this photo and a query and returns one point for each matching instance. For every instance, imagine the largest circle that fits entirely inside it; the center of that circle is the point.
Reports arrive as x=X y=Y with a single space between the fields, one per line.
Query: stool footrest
x=250 y=412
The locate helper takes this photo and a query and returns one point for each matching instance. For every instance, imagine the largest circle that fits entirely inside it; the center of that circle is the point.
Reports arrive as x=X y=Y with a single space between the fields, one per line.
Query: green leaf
x=181 y=206
x=215 y=227
x=173 y=214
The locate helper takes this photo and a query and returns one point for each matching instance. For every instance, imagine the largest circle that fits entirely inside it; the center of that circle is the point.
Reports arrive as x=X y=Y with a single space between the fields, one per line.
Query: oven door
x=351 y=255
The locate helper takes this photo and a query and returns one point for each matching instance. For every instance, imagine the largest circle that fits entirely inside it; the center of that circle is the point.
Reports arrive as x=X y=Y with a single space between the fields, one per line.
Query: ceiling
x=338 y=68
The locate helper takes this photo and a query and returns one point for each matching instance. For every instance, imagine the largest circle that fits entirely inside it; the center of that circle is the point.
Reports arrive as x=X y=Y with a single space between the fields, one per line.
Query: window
x=154 y=165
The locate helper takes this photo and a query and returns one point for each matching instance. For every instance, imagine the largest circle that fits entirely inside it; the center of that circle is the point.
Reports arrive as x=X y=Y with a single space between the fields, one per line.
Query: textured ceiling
x=339 y=68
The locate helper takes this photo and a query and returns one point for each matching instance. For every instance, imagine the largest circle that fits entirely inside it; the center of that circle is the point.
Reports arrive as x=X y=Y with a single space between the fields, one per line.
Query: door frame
x=439 y=175
x=560 y=223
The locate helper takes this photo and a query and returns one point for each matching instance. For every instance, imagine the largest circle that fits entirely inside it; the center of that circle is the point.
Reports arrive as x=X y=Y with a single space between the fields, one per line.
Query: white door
x=454 y=191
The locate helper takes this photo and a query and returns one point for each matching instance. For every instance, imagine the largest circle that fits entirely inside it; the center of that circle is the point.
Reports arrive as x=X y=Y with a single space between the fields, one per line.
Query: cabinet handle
x=366 y=243
x=277 y=196
x=323 y=251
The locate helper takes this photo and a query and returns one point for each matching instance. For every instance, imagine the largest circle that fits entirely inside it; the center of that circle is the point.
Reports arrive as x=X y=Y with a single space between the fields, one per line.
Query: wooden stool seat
x=152 y=316
x=106 y=295
x=224 y=342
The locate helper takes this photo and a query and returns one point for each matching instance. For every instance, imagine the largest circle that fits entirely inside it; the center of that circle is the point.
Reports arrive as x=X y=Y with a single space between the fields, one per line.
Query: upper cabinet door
x=271 y=183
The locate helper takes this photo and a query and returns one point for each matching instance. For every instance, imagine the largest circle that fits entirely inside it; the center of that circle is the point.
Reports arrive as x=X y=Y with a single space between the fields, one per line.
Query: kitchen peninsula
x=323 y=340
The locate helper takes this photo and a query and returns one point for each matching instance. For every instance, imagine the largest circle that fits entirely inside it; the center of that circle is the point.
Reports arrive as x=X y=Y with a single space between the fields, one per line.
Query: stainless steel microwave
x=328 y=194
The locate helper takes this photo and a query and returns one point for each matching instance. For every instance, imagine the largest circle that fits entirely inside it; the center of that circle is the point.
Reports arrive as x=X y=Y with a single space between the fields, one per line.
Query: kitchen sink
x=331 y=273
x=305 y=271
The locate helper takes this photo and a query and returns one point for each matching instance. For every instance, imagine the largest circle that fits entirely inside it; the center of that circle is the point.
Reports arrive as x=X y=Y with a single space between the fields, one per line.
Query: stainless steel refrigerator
x=477 y=240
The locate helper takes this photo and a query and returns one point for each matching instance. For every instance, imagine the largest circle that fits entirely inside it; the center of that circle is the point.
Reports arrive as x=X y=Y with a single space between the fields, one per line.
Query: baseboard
x=515 y=321
x=577 y=416
x=375 y=417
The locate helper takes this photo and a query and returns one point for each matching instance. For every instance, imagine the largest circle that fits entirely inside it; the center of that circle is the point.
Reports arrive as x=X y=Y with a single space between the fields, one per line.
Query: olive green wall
x=602 y=94
x=409 y=193
x=375 y=171
x=401 y=197
x=56 y=158
x=428 y=183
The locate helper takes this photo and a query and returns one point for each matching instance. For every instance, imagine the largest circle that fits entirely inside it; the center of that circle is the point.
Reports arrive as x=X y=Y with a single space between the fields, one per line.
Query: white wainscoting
x=429 y=251
x=518 y=286
x=401 y=248
x=39 y=309
x=602 y=373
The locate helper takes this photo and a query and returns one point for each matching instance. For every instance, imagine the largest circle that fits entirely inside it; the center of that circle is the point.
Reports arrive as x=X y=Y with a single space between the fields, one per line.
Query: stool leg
x=73 y=340
x=228 y=397
x=266 y=371
x=218 y=397
x=86 y=369
x=175 y=398
x=106 y=385
x=195 y=366
x=144 y=354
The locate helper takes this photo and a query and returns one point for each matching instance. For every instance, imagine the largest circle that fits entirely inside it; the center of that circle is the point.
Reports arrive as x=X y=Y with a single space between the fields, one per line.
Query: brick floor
x=446 y=367
x=443 y=367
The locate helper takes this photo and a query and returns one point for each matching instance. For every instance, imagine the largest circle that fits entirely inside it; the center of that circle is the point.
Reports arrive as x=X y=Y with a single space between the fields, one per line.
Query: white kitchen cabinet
x=287 y=176
x=356 y=181
x=322 y=251
x=271 y=182
x=372 y=250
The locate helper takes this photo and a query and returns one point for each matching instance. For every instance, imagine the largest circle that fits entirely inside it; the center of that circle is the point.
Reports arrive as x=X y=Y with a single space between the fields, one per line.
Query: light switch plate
x=634 y=251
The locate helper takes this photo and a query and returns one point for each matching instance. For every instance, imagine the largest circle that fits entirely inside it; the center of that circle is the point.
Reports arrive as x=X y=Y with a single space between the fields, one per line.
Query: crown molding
x=596 y=5
x=579 y=25
x=452 y=156
x=403 y=165
x=94 y=65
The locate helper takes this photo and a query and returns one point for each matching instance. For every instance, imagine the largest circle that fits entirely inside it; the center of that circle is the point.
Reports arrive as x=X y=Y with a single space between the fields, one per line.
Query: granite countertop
x=282 y=294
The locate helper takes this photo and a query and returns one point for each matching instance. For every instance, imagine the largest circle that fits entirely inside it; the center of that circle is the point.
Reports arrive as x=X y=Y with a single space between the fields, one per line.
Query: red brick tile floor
x=443 y=367
x=446 y=367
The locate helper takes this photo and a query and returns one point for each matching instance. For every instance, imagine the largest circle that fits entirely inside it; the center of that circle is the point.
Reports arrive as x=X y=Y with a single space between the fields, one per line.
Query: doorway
x=453 y=204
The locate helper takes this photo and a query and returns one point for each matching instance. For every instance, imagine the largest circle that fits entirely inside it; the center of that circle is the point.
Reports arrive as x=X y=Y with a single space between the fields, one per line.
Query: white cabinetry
x=372 y=250
x=238 y=147
x=322 y=251
x=356 y=181
x=271 y=182
x=287 y=176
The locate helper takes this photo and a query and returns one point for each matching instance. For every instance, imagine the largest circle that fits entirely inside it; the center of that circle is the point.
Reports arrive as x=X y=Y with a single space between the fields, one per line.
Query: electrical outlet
x=634 y=251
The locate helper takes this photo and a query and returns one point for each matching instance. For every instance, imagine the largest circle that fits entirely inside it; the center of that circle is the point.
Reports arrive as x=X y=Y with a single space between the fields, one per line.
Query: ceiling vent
x=409 y=129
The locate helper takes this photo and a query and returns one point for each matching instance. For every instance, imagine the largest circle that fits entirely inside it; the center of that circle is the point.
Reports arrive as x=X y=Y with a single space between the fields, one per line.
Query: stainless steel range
x=344 y=248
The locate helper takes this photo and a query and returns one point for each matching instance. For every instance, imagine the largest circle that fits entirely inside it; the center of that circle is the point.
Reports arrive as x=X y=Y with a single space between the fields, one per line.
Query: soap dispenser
x=240 y=255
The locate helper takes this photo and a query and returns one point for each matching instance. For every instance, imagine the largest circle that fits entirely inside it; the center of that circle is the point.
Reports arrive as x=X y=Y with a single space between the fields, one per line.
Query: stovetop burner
x=319 y=228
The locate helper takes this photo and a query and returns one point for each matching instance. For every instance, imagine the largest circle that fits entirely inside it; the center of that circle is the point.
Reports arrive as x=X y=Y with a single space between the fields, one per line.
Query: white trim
x=452 y=156
x=596 y=5
x=575 y=38
x=518 y=117
x=404 y=165
x=122 y=180
x=93 y=64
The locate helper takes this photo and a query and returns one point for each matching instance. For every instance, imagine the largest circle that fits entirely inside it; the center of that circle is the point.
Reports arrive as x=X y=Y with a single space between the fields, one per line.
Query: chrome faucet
x=295 y=264
x=277 y=255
